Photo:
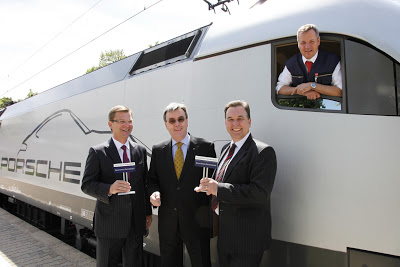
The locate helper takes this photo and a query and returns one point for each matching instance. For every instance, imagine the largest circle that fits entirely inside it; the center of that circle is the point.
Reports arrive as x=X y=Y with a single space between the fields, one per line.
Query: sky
x=45 y=43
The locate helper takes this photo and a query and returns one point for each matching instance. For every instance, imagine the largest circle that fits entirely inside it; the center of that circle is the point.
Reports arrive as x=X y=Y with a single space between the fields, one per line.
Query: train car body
x=336 y=196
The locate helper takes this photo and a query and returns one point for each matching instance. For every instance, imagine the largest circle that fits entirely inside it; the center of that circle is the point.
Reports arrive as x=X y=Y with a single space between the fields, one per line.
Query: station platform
x=22 y=244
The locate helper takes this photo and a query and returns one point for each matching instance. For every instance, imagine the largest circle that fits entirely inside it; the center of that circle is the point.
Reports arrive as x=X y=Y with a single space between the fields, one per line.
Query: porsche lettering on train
x=63 y=171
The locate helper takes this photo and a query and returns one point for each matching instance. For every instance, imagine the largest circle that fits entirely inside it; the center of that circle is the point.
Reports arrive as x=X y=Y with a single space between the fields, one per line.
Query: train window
x=168 y=52
x=368 y=77
x=398 y=87
x=370 y=81
x=283 y=52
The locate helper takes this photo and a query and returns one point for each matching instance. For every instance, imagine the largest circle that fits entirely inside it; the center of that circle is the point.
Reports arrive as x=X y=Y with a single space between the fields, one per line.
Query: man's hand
x=155 y=199
x=119 y=186
x=312 y=95
x=301 y=89
x=210 y=186
x=148 y=221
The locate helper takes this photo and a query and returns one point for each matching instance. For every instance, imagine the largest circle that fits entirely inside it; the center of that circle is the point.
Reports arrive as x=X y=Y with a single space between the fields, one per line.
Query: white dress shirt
x=121 y=151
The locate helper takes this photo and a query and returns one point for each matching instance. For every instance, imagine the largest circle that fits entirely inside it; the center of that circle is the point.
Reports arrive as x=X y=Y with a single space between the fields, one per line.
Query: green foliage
x=108 y=57
x=91 y=69
x=301 y=102
x=30 y=94
x=6 y=101
x=156 y=43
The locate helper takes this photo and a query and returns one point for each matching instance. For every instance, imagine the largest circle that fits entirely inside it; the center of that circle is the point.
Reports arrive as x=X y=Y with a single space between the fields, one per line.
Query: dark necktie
x=221 y=173
x=309 y=64
x=125 y=159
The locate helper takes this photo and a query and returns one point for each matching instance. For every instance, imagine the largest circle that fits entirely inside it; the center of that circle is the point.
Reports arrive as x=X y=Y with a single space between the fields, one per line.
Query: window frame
x=293 y=41
x=341 y=39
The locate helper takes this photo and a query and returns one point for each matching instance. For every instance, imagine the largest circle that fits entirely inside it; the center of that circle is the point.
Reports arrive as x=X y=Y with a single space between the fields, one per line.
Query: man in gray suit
x=241 y=192
x=120 y=221
x=183 y=216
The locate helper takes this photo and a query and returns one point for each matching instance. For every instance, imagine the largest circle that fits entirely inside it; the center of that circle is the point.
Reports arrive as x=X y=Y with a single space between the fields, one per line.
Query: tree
x=156 y=43
x=6 y=101
x=108 y=57
x=30 y=94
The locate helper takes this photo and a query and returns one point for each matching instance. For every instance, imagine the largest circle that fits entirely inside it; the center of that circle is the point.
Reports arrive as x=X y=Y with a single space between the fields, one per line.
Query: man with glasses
x=120 y=220
x=183 y=216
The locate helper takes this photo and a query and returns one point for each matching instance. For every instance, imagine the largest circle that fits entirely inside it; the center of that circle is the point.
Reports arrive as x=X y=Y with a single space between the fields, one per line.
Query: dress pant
x=109 y=252
x=199 y=251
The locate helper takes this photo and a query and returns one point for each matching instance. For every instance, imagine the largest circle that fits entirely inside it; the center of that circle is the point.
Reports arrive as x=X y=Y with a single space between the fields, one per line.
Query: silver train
x=336 y=197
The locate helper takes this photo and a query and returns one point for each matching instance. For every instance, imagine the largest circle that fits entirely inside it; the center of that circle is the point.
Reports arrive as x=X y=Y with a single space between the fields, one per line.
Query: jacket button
x=178 y=188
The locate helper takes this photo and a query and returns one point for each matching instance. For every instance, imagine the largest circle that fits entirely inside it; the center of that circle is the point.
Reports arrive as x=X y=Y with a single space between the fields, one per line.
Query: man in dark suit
x=241 y=192
x=183 y=215
x=120 y=221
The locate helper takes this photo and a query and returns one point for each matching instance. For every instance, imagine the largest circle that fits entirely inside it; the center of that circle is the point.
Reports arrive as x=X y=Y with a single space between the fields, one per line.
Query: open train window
x=166 y=53
x=370 y=78
x=285 y=50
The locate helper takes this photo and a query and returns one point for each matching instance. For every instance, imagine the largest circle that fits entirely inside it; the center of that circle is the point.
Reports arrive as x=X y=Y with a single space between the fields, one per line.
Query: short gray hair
x=306 y=28
x=174 y=106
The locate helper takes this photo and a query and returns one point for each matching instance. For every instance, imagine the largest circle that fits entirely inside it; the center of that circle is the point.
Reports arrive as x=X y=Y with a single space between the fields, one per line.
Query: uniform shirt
x=285 y=78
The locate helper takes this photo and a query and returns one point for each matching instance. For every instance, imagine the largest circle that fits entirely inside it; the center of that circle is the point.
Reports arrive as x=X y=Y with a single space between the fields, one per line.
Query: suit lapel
x=112 y=152
x=224 y=151
x=190 y=155
x=132 y=150
x=169 y=161
x=243 y=151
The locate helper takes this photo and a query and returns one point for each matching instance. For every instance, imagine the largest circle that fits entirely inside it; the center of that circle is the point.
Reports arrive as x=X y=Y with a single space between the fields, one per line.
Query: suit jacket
x=115 y=214
x=244 y=199
x=180 y=204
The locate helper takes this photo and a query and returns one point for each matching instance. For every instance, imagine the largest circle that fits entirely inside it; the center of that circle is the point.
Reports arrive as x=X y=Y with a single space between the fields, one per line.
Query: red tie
x=126 y=159
x=214 y=200
x=309 y=64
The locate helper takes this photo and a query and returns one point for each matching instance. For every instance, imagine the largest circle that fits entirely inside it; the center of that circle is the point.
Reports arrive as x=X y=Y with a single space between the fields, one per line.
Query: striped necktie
x=221 y=173
x=126 y=160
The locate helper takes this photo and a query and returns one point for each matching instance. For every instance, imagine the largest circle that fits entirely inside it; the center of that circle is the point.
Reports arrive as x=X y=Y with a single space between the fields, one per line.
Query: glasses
x=173 y=121
x=122 y=122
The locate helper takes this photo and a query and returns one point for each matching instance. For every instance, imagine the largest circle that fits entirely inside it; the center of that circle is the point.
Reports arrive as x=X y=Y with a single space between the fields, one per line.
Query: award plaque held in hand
x=206 y=163
x=125 y=168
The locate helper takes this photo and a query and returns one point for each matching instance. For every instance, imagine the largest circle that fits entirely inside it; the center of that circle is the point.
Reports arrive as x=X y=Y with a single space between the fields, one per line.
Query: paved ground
x=22 y=244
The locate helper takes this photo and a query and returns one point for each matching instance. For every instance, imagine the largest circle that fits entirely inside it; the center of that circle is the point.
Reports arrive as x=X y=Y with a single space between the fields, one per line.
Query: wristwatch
x=313 y=85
